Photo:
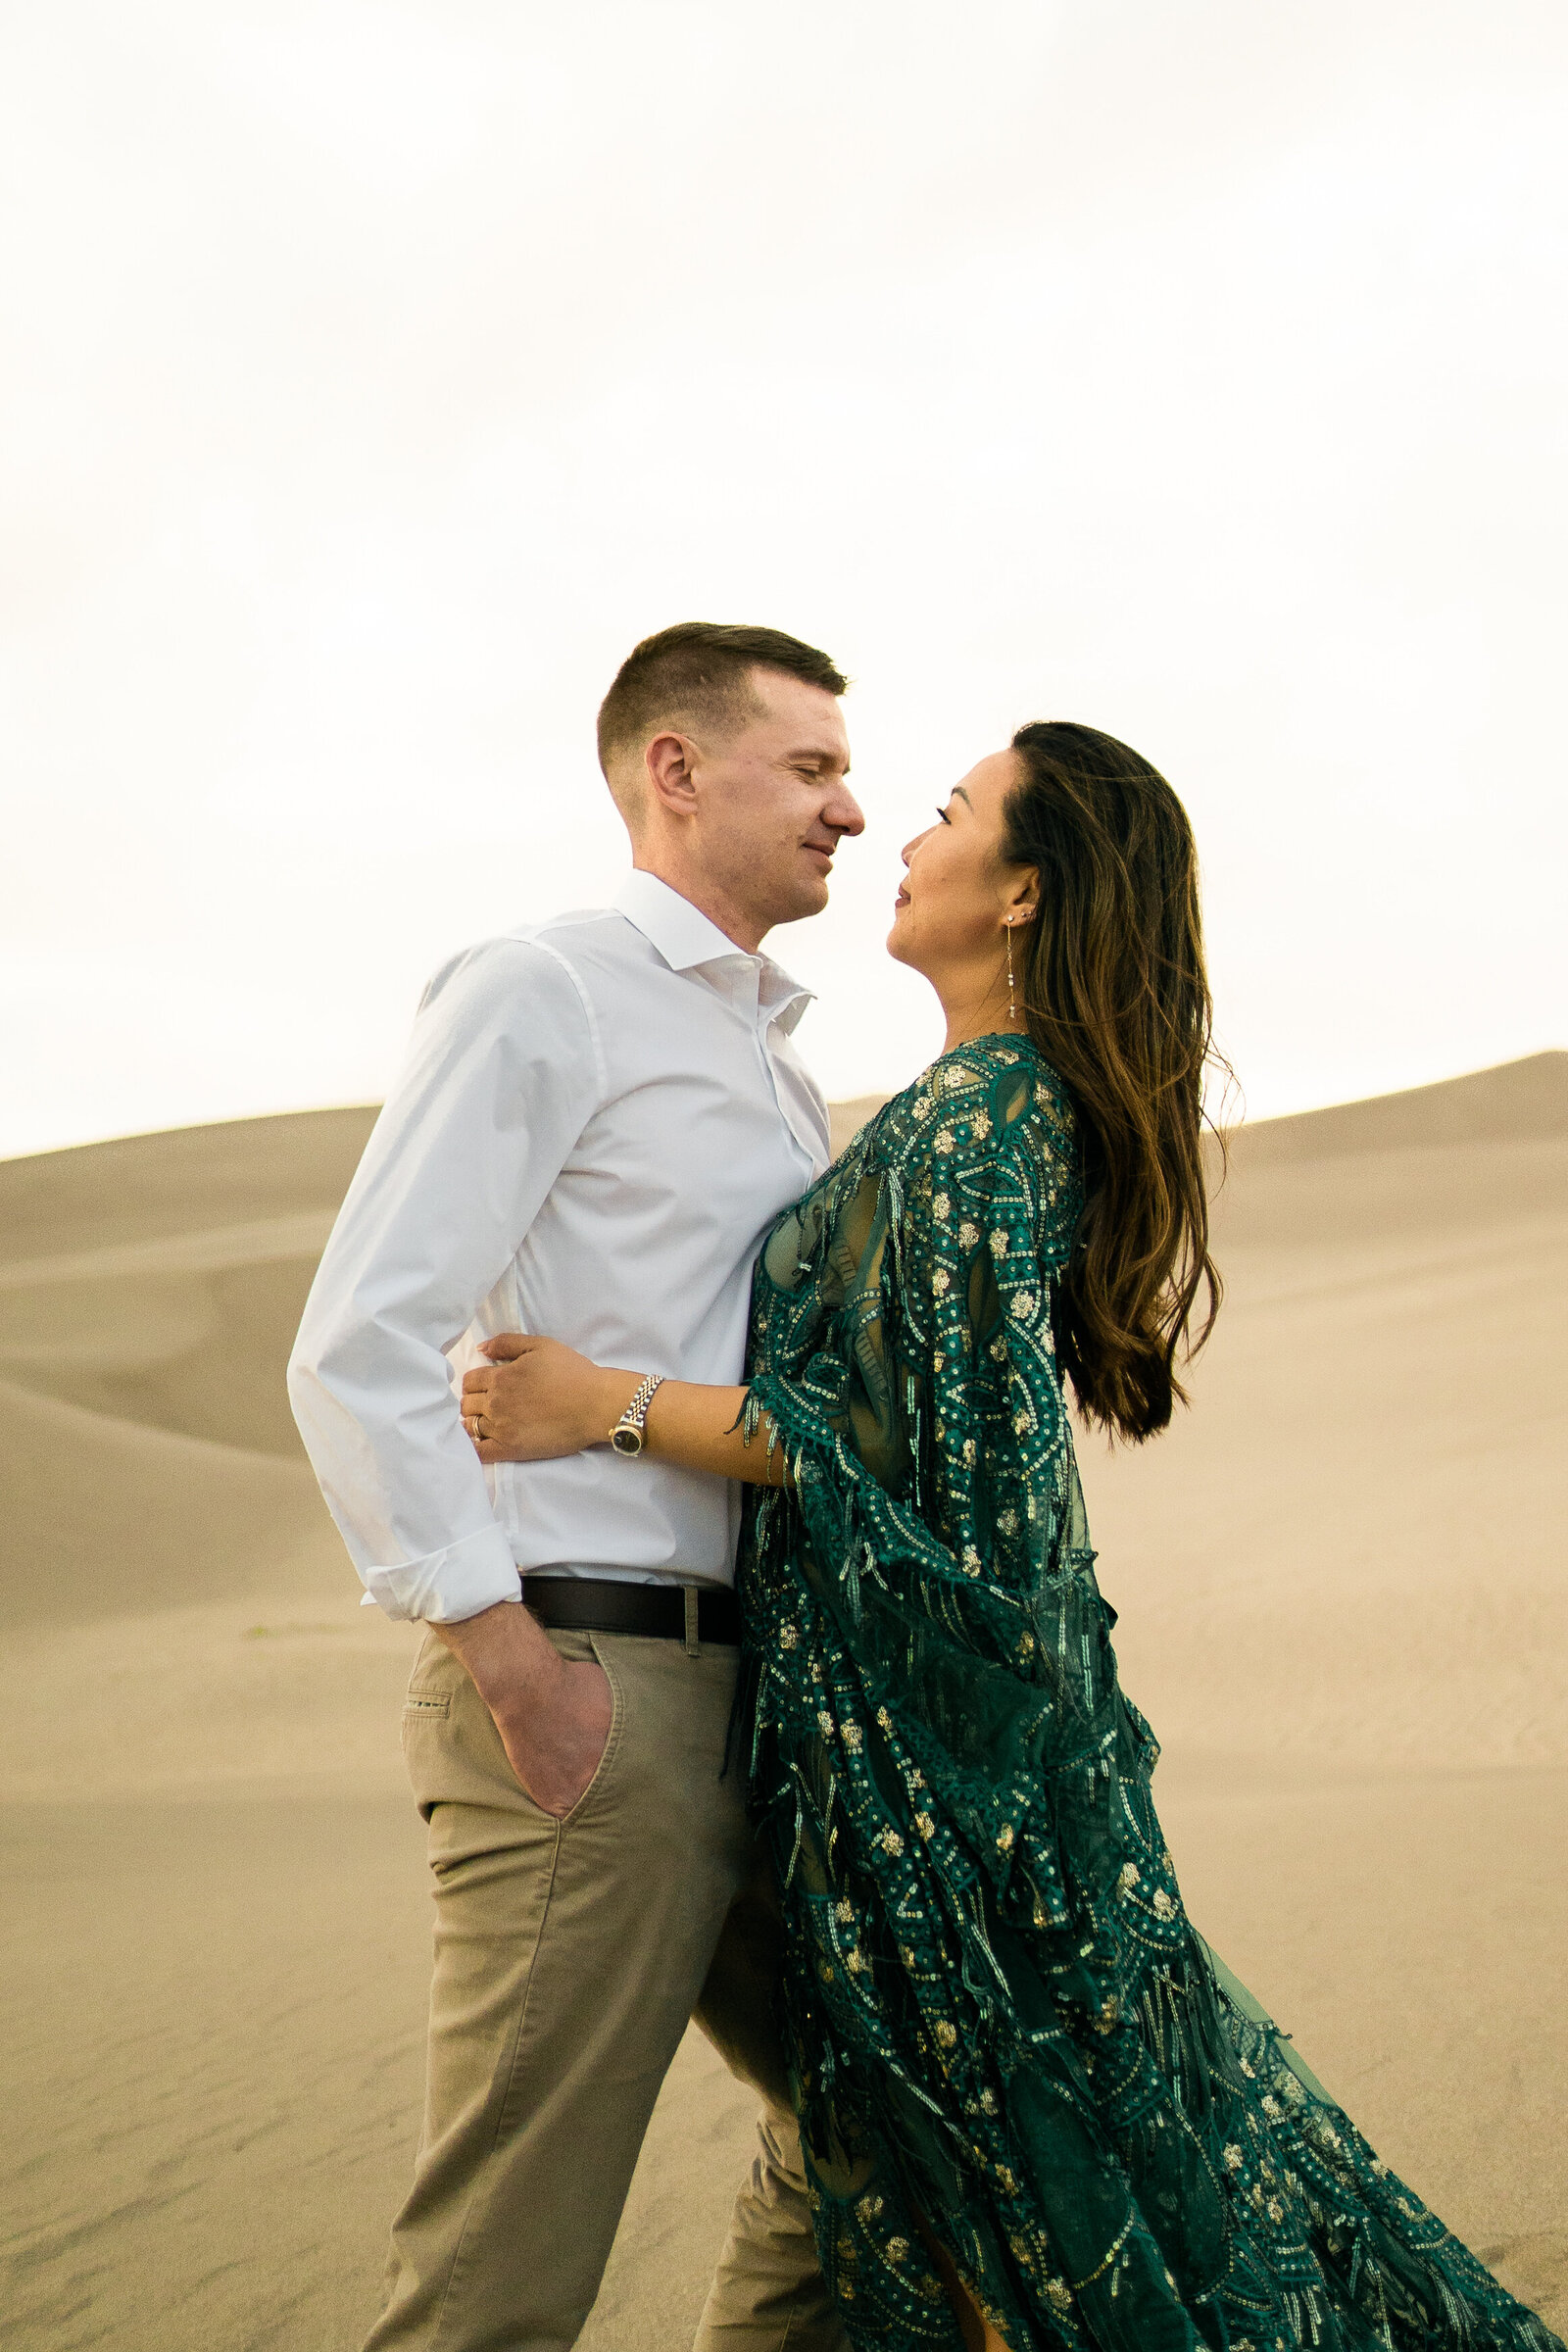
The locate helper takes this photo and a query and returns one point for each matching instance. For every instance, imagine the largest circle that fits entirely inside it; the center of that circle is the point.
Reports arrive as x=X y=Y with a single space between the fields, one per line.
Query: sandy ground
x=1342 y=1605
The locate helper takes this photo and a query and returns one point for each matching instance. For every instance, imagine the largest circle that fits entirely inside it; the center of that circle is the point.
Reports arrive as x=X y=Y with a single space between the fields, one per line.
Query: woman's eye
x=946 y=819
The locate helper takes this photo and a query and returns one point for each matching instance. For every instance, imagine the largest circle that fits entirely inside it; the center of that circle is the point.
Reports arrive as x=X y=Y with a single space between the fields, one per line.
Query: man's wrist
x=507 y=1655
x=615 y=1391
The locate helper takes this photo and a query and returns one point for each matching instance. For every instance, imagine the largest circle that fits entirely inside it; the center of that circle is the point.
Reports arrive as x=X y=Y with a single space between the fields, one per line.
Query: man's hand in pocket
x=552 y=1713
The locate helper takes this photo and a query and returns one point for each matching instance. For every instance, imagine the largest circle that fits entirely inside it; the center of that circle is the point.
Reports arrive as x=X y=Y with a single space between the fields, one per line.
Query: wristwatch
x=627 y=1435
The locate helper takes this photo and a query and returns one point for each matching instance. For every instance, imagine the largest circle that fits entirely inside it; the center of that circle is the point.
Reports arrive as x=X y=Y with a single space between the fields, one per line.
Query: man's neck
x=699 y=891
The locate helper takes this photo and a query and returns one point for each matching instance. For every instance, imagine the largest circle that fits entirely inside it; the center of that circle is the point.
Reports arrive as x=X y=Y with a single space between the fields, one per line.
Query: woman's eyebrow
x=959 y=794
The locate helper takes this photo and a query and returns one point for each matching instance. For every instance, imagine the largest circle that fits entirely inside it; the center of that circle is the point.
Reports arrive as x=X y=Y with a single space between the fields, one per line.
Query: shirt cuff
x=446 y=1586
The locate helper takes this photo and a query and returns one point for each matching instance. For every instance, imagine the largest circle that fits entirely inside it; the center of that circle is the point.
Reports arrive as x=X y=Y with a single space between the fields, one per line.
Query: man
x=598 y=1121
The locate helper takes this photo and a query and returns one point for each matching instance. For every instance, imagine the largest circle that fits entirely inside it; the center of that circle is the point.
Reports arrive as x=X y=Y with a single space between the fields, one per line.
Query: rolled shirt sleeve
x=503 y=1073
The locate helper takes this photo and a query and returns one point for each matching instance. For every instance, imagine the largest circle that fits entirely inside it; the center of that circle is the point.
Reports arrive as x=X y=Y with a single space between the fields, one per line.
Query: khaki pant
x=568 y=1957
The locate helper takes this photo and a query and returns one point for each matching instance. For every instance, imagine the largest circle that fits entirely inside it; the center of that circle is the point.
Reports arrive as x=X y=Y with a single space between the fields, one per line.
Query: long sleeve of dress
x=916 y=1305
x=904 y=1327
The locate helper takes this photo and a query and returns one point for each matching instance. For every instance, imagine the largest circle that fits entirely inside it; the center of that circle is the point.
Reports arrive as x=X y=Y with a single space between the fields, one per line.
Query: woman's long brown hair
x=1116 y=997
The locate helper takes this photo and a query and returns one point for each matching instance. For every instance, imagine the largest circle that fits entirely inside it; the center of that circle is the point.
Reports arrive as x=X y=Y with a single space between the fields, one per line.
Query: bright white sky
x=377 y=374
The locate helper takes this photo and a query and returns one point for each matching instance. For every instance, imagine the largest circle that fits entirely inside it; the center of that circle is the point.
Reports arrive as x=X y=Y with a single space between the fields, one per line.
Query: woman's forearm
x=699 y=1428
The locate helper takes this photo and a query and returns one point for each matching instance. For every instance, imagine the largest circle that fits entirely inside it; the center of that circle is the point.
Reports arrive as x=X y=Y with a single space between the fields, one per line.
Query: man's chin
x=808 y=898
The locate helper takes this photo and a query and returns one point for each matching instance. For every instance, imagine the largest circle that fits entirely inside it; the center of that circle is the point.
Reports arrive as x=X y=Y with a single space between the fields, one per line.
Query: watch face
x=627 y=1441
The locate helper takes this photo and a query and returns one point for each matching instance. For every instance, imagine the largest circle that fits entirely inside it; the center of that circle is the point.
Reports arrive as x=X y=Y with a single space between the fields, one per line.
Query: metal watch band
x=627 y=1435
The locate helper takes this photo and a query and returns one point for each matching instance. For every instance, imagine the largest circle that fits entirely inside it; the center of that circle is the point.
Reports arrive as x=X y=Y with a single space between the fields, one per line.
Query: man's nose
x=845 y=814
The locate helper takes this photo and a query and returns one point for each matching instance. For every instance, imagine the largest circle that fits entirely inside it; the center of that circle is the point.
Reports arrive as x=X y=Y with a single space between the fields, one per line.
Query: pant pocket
x=426 y=1709
x=598 y=1786
x=420 y=1703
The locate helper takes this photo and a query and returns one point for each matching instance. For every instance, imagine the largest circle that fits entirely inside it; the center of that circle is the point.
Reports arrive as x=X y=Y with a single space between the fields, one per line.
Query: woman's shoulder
x=995 y=1092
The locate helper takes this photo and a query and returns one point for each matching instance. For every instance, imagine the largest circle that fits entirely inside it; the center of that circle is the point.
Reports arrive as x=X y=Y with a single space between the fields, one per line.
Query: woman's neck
x=977 y=1008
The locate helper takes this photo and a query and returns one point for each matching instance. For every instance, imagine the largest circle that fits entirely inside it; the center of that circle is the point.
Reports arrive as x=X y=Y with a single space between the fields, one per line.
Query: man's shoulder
x=534 y=965
x=513 y=965
x=573 y=924
x=580 y=936
x=555 y=937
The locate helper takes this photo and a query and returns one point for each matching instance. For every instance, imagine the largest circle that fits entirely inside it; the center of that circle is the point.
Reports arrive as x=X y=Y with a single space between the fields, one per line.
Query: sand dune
x=1342 y=1605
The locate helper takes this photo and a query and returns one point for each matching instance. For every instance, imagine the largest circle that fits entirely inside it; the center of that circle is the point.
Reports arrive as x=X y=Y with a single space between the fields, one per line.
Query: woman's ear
x=1023 y=901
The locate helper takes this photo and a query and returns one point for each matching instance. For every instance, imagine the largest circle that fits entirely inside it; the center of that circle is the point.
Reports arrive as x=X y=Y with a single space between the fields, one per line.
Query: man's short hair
x=697 y=675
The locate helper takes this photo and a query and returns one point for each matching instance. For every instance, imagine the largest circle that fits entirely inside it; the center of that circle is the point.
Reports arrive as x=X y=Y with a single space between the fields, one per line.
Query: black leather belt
x=604 y=1605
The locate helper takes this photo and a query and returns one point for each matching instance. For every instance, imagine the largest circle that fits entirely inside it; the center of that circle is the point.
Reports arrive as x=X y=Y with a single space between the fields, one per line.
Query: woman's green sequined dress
x=999 y=2020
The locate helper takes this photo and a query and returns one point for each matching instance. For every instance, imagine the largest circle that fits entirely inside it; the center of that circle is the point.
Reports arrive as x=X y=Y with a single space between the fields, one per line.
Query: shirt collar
x=685 y=938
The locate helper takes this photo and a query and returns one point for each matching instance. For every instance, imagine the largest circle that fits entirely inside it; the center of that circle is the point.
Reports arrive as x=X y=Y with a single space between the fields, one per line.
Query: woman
x=1036 y=2109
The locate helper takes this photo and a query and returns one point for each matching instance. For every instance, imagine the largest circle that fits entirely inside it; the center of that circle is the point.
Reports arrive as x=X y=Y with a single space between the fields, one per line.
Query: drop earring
x=1012 y=1001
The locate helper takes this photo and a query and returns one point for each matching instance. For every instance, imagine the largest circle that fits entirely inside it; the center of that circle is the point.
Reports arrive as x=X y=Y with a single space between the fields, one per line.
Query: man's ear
x=668 y=761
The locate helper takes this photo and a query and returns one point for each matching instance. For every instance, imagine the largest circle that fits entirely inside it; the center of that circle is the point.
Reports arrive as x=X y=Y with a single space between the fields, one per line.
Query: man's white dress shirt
x=597 y=1122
